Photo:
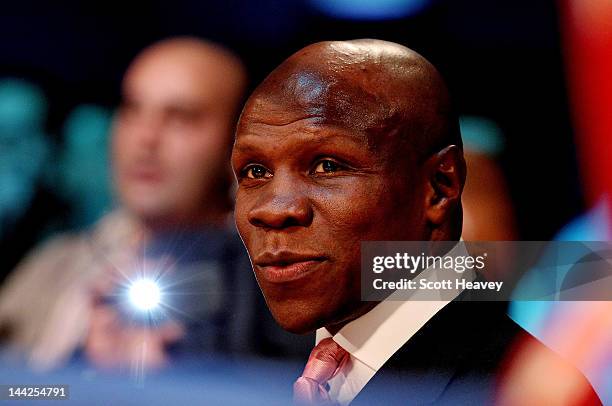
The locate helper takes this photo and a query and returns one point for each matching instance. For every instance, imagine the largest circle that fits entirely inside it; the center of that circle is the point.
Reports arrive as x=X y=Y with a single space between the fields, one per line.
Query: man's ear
x=446 y=173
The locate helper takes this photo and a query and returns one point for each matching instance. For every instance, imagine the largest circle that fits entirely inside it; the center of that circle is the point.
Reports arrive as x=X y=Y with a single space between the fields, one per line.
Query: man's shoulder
x=46 y=256
x=472 y=332
x=57 y=258
x=474 y=339
x=462 y=354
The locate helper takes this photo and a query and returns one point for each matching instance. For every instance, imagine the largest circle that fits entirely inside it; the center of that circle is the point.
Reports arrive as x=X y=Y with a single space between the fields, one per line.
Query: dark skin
x=344 y=142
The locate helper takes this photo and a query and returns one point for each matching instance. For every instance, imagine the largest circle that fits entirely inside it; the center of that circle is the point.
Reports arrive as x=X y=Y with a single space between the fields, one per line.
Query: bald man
x=356 y=141
x=170 y=151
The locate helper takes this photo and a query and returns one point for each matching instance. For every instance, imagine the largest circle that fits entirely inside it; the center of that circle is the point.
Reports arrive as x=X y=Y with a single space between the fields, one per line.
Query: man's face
x=312 y=186
x=170 y=137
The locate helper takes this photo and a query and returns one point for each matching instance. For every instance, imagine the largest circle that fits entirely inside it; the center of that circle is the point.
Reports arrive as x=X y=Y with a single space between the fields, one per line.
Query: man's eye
x=327 y=166
x=256 y=172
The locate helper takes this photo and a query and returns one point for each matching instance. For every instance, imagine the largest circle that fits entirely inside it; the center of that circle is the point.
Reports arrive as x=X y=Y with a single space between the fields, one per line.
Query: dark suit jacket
x=454 y=359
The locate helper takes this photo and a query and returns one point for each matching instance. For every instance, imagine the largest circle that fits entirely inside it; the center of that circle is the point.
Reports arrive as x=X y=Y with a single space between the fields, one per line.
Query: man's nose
x=149 y=137
x=148 y=131
x=281 y=206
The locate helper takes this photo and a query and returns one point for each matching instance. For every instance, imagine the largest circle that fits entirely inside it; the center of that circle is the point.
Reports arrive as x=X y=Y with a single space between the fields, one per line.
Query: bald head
x=344 y=142
x=380 y=88
x=184 y=64
x=173 y=132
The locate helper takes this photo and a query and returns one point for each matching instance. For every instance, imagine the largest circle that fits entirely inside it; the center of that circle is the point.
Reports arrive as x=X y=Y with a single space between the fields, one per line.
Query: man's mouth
x=285 y=266
x=146 y=174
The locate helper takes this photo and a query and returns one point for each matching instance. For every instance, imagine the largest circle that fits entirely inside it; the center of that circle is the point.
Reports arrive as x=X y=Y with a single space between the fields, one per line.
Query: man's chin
x=296 y=323
x=157 y=216
x=147 y=210
x=299 y=330
x=307 y=314
x=304 y=322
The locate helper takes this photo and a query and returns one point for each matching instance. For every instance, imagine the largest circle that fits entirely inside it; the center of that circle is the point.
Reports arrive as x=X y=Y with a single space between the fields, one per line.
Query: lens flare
x=144 y=294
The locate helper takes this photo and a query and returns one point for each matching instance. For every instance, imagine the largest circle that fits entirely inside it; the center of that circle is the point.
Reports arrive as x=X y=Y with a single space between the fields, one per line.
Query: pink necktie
x=325 y=361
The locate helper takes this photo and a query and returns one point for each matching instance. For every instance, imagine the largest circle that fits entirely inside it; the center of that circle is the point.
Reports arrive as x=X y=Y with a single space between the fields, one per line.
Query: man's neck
x=363 y=309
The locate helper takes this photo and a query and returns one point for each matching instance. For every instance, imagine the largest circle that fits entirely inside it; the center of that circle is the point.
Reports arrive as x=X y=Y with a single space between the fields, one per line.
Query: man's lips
x=146 y=174
x=286 y=266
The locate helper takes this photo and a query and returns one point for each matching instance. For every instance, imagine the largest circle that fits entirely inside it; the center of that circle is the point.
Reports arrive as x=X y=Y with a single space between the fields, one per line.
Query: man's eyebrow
x=255 y=144
x=187 y=102
x=189 y=108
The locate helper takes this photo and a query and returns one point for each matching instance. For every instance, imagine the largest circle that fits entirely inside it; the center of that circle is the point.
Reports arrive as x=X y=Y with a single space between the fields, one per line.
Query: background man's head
x=343 y=142
x=173 y=131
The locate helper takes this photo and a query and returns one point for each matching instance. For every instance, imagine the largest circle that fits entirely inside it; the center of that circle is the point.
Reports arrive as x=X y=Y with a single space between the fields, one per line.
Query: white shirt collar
x=374 y=337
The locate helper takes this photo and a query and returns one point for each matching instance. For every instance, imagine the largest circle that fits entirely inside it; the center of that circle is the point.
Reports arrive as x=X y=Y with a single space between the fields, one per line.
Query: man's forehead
x=379 y=89
x=326 y=99
x=276 y=121
x=266 y=117
x=304 y=136
x=185 y=69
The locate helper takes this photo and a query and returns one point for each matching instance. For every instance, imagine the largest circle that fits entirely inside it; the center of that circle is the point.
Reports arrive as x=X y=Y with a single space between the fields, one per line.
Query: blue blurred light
x=370 y=9
x=84 y=178
x=23 y=107
x=24 y=147
x=481 y=135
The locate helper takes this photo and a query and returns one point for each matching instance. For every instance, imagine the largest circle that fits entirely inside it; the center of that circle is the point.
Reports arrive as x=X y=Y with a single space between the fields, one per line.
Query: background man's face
x=171 y=135
x=311 y=187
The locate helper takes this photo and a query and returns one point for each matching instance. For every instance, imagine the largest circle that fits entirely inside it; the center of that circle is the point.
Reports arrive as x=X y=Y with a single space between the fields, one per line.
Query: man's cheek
x=358 y=217
x=240 y=215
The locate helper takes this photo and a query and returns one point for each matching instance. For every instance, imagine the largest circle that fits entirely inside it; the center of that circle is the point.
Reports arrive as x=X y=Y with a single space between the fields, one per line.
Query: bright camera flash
x=144 y=294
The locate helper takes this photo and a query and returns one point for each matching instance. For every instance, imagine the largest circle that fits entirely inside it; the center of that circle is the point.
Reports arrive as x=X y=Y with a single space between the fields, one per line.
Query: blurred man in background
x=170 y=149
